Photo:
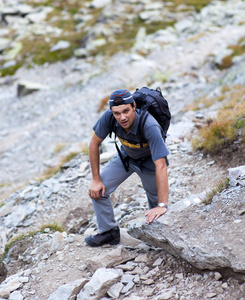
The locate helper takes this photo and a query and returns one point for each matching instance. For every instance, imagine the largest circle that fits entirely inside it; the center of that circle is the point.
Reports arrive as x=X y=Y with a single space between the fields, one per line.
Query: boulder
x=115 y=257
x=207 y=236
x=27 y=87
x=69 y=290
x=99 y=284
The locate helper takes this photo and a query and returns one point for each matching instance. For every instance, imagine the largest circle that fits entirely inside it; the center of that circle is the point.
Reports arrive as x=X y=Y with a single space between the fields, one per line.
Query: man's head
x=123 y=106
x=120 y=97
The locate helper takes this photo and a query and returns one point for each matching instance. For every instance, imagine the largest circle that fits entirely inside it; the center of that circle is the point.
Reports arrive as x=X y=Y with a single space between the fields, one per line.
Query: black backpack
x=152 y=101
x=148 y=101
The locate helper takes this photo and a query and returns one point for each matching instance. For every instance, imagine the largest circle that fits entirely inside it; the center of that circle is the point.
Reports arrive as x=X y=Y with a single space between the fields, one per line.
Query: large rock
x=69 y=290
x=27 y=87
x=115 y=257
x=207 y=236
x=99 y=284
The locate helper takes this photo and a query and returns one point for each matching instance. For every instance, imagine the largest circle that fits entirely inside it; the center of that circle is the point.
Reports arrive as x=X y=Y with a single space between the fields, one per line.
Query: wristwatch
x=162 y=205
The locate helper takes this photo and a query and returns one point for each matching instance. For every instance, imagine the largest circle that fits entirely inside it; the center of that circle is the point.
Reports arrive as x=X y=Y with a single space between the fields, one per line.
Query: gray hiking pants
x=112 y=175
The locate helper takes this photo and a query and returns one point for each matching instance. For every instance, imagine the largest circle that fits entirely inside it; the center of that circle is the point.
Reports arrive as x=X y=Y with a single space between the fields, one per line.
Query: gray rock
x=99 y=3
x=99 y=284
x=6 y=209
x=58 y=242
x=27 y=87
x=115 y=290
x=4 y=43
x=115 y=257
x=69 y=290
x=211 y=246
x=9 y=64
x=16 y=295
x=9 y=285
x=19 y=214
x=127 y=287
x=60 y=45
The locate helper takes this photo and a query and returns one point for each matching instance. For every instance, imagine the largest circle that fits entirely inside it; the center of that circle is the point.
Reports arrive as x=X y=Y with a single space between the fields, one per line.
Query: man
x=149 y=161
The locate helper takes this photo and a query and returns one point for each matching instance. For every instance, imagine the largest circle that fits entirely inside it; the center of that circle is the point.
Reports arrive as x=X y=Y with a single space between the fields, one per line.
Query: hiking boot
x=111 y=237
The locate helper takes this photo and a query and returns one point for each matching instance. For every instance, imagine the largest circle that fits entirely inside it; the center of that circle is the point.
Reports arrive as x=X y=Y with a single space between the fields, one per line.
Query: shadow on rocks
x=3 y=271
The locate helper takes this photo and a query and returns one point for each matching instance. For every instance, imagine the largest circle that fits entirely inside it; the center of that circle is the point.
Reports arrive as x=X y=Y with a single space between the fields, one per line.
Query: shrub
x=229 y=126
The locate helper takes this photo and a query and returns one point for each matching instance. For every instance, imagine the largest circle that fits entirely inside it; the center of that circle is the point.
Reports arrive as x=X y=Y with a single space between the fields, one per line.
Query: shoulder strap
x=113 y=128
x=143 y=116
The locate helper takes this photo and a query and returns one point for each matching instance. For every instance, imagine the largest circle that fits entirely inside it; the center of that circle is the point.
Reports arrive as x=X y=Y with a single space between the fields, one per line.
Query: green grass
x=36 y=50
x=16 y=239
x=197 y=5
x=228 y=127
x=53 y=228
x=10 y=71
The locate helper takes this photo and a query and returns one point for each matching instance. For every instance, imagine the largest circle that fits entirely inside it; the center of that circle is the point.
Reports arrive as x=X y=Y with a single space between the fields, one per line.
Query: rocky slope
x=40 y=128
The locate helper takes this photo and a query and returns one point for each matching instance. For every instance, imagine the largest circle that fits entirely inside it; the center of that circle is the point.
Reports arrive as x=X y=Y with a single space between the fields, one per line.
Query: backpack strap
x=143 y=116
x=141 y=125
x=113 y=128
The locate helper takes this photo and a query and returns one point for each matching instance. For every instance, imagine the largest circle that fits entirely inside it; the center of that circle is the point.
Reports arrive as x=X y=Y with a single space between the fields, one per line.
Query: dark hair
x=132 y=104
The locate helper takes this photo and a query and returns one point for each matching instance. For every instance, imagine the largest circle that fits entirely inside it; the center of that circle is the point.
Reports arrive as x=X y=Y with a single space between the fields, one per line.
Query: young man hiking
x=148 y=160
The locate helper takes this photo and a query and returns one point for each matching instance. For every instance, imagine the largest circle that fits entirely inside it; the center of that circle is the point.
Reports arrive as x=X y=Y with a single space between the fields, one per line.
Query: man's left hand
x=155 y=213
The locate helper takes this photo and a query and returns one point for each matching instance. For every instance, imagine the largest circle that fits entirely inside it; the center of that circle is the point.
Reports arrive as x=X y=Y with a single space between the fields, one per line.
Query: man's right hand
x=95 y=188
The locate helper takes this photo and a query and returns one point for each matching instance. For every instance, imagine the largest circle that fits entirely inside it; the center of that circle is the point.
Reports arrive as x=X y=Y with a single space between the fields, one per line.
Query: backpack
x=149 y=101
x=152 y=100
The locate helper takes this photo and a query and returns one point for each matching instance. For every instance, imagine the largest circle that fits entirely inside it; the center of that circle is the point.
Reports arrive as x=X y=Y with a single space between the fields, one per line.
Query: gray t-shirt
x=154 y=147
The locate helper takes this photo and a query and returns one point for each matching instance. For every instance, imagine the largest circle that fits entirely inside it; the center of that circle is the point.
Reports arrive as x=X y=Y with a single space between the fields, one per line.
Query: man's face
x=125 y=115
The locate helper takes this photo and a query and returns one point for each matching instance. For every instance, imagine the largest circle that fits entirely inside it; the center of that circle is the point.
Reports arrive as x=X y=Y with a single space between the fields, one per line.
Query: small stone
x=210 y=295
x=16 y=295
x=115 y=290
x=165 y=295
x=60 y=45
x=141 y=258
x=224 y=285
x=148 y=281
x=127 y=287
x=158 y=262
x=217 y=276
x=179 y=276
x=237 y=221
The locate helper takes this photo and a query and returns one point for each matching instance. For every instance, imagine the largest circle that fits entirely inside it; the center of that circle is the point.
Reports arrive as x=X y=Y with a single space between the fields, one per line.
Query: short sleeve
x=102 y=126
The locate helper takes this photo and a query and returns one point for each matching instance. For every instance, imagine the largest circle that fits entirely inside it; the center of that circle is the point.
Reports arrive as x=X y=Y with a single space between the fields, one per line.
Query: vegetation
x=16 y=239
x=36 y=48
x=229 y=126
x=237 y=50
x=53 y=228
x=221 y=185
x=197 y=5
x=49 y=172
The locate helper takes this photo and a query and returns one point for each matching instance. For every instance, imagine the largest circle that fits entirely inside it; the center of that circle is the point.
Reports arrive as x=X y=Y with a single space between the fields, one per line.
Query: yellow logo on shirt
x=128 y=144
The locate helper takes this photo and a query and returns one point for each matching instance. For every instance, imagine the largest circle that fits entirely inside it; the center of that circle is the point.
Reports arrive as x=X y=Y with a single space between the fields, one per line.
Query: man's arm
x=162 y=190
x=94 y=156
